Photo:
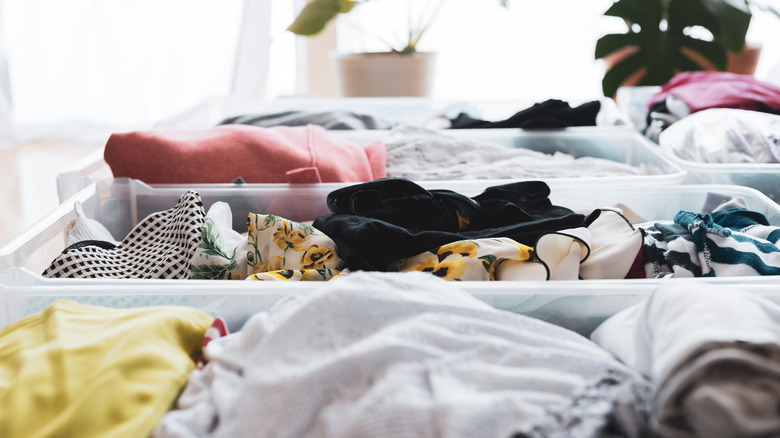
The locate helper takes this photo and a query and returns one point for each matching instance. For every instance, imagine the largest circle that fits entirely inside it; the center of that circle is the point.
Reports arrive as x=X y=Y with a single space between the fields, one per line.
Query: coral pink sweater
x=280 y=154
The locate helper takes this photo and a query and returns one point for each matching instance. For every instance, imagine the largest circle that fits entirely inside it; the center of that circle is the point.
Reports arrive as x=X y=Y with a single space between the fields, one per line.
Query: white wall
x=533 y=50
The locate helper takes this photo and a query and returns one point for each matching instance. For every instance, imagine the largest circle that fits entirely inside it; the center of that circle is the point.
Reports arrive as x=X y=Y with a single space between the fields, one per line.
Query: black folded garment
x=551 y=113
x=381 y=221
x=393 y=199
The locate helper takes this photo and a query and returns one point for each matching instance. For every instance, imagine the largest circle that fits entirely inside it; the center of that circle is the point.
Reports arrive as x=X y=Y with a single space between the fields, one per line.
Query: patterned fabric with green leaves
x=221 y=253
x=281 y=249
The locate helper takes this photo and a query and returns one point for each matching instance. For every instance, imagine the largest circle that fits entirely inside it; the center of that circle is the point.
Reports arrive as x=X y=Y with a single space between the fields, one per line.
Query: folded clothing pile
x=712 y=354
x=307 y=154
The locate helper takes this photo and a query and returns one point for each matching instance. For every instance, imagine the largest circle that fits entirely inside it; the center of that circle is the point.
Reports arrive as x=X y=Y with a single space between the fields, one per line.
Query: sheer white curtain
x=7 y=132
x=117 y=64
x=78 y=70
x=79 y=64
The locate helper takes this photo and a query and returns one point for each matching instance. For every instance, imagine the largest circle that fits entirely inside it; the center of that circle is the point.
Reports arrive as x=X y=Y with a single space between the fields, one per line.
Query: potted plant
x=401 y=70
x=662 y=40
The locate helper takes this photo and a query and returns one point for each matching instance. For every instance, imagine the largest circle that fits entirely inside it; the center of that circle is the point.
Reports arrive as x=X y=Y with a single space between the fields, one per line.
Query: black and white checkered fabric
x=160 y=246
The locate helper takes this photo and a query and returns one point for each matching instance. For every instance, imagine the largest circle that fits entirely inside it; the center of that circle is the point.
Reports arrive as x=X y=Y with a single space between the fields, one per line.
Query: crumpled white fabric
x=615 y=243
x=713 y=354
x=399 y=355
x=84 y=229
x=724 y=135
x=606 y=249
x=421 y=154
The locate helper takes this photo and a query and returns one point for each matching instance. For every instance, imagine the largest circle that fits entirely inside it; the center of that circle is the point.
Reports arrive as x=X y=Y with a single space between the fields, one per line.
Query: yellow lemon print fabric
x=467 y=260
x=281 y=249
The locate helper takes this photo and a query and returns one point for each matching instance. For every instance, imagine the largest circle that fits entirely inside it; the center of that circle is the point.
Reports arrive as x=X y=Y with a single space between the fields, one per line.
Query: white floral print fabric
x=281 y=249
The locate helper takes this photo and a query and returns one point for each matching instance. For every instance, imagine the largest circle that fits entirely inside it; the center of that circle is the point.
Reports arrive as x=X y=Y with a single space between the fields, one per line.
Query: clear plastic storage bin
x=417 y=111
x=619 y=145
x=632 y=101
x=120 y=203
x=762 y=177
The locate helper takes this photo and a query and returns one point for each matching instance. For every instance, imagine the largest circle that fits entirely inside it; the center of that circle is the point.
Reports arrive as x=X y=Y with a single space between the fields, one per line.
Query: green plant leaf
x=686 y=13
x=615 y=76
x=733 y=18
x=642 y=12
x=712 y=51
x=663 y=50
x=316 y=14
x=612 y=42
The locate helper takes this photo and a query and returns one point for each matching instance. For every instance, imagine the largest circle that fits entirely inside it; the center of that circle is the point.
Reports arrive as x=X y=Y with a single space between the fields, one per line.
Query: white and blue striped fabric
x=733 y=242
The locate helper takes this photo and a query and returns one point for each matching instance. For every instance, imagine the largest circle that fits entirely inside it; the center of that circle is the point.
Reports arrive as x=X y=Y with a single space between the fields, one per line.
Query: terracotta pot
x=744 y=62
x=384 y=74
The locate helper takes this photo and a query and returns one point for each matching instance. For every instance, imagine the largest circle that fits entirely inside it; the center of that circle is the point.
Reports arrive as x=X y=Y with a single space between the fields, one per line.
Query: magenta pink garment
x=280 y=154
x=702 y=90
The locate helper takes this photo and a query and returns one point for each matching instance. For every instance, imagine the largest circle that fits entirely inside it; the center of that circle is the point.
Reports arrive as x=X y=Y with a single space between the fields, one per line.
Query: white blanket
x=399 y=355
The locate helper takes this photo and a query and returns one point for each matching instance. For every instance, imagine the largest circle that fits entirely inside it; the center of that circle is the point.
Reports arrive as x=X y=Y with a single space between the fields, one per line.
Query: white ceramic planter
x=384 y=74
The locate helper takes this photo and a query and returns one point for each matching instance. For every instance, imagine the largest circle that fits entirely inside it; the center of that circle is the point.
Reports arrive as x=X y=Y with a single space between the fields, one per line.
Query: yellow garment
x=83 y=371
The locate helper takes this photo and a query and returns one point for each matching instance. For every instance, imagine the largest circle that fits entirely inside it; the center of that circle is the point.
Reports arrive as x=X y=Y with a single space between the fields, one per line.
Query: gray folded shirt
x=333 y=120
